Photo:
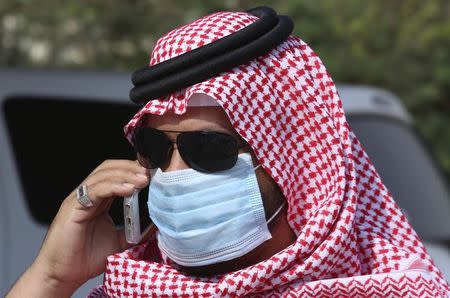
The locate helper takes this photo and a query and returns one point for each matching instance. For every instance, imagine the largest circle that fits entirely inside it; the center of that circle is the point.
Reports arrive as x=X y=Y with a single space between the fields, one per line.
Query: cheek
x=270 y=193
x=264 y=182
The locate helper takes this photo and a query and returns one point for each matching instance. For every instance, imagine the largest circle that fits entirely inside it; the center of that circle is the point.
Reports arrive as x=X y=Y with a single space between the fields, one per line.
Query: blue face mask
x=207 y=218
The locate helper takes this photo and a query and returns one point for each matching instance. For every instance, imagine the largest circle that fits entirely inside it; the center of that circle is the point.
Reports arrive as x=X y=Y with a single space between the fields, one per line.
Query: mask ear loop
x=276 y=212
x=279 y=209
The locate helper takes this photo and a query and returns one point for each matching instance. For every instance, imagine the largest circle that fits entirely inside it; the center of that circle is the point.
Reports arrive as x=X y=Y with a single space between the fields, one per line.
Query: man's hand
x=79 y=238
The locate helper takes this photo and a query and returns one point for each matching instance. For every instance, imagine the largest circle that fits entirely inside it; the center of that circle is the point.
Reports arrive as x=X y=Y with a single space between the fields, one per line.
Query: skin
x=215 y=119
x=80 y=239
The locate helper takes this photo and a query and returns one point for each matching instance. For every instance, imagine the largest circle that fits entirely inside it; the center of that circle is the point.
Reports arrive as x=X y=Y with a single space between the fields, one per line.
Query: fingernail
x=142 y=176
x=128 y=185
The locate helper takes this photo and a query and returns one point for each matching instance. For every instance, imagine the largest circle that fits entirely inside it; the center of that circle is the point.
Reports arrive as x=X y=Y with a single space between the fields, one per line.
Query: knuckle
x=96 y=189
x=141 y=181
x=66 y=202
x=106 y=162
x=92 y=189
x=118 y=190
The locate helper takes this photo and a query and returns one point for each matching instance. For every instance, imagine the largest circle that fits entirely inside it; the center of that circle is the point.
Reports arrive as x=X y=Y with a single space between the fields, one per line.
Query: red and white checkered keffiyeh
x=352 y=238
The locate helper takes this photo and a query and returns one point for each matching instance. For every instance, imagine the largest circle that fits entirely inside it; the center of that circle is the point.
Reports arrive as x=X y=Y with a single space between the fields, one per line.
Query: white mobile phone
x=136 y=220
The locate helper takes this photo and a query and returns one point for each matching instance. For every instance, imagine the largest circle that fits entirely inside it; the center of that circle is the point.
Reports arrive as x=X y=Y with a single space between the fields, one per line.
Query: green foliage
x=402 y=46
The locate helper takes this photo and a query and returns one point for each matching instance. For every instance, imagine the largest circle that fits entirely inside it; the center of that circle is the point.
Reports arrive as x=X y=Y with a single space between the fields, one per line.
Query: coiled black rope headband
x=203 y=63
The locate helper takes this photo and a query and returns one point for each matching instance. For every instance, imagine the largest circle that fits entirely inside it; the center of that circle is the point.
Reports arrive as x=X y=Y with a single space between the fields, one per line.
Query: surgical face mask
x=208 y=218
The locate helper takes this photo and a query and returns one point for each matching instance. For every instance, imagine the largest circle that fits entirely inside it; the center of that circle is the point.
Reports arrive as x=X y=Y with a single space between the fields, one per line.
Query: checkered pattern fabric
x=352 y=238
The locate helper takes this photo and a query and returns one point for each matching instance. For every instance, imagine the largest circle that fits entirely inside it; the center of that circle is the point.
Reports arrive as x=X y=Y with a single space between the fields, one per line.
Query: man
x=258 y=186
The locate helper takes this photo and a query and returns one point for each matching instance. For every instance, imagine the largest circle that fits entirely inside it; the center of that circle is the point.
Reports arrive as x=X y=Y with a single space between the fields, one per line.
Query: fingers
x=113 y=178
x=118 y=178
x=121 y=163
x=109 y=188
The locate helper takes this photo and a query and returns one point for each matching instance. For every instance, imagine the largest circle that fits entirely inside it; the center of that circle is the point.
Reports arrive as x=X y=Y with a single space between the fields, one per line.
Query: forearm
x=35 y=282
x=80 y=238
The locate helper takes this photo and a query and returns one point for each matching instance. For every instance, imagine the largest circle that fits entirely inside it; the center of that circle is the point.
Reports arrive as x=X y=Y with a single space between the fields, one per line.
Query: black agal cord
x=258 y=38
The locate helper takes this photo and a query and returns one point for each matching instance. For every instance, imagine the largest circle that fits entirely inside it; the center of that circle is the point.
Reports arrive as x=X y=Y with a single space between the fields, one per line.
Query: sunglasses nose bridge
x=174 y=160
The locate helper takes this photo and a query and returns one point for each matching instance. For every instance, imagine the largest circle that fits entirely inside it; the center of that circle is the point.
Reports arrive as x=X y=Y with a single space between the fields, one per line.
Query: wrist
x=36 y=282
x=51 y=284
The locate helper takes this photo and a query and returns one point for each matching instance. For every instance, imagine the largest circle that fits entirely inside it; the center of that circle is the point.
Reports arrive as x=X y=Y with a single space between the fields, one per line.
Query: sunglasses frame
x=146 y=162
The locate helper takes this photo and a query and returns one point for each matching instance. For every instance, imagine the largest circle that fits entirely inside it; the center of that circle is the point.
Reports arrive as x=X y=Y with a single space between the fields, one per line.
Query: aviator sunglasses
x=204 y=151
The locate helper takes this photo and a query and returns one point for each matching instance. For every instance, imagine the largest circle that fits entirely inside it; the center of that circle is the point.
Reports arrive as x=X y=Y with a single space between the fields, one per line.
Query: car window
x=408 y=171
x=58 y=142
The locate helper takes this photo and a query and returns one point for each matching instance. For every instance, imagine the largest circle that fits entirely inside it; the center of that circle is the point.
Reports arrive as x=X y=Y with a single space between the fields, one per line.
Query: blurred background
x=402 y=46
x=63 y=59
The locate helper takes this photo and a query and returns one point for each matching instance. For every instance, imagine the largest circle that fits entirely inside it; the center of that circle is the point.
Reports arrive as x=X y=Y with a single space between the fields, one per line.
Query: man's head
x=285 y=106
x=210 y=119
x=282 y=104
x=214 y=119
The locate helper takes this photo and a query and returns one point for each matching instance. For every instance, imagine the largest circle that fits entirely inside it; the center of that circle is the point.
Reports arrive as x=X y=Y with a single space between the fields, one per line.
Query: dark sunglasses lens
x=152 y=147
x=208 y=151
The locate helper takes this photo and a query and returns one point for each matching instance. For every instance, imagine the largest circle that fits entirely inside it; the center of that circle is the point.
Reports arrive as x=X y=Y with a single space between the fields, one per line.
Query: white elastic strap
x=257 y=167
x=279 y=209
x=276 y=212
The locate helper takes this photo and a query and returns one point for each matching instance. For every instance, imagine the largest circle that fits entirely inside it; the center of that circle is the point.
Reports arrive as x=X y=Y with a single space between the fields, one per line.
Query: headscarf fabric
x=352 y=238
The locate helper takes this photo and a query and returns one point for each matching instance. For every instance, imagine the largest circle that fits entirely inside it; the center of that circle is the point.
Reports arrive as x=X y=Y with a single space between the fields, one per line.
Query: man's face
x=215 y=119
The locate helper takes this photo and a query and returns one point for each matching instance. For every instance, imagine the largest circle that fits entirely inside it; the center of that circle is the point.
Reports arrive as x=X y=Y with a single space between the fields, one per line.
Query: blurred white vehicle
x=56 y=126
